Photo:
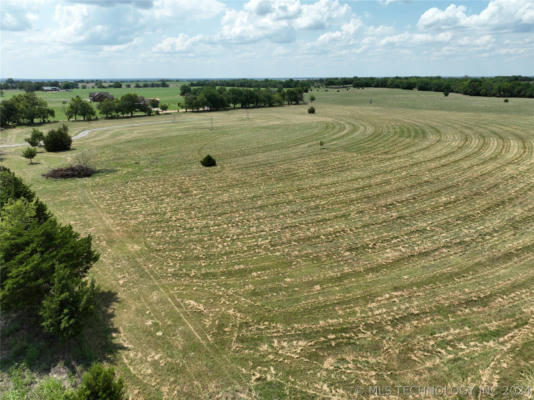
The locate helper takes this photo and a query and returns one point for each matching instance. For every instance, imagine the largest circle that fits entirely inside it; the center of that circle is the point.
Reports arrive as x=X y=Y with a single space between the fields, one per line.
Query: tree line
x=257 y=83
x=214 y=98
x=499 y=86
x=33 y=86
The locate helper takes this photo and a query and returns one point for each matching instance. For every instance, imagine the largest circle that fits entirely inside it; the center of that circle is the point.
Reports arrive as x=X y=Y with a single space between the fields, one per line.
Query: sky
x=99 y=39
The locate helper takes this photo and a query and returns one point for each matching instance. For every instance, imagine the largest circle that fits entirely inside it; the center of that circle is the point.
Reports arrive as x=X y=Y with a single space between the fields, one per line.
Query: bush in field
x=29 y=153
x=164 y=107
x=208 y=161
x=311 y=110
x=73 y=171
x=506 y=100
x=99 y=383
x=58 y=139
x=36 y=138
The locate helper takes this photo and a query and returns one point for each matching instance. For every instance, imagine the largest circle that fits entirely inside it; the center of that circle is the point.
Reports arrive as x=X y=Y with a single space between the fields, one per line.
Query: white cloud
x=196 y=10
x=111 y=3
x=279 y=20
x=181 y=44
x=18 y=15
x=245 y=27
x=321 y=14
x=505 y=15
x=407 y=39
x=84 y=25
x=388 y=2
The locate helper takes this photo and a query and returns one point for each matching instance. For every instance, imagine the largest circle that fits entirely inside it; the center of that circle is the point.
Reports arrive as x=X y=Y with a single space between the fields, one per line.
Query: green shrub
x=311 y=110
x=208 y=161
x=506 y=100
x=29 y=153
x=12 y=188
x=99 y=384
x=43 y=268
x=58 y=139
x=36 y=138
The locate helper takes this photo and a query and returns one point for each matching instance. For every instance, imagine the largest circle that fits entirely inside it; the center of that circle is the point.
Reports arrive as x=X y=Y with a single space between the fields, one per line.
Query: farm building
x=51 y=89
x=99 y=97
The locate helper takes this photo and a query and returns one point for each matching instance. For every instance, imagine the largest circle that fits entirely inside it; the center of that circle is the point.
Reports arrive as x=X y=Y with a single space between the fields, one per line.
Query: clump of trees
x=58 y=139
x=43 y=264
x=128 y=104
x=24 y=108
x=79 y=107
x=213 y=98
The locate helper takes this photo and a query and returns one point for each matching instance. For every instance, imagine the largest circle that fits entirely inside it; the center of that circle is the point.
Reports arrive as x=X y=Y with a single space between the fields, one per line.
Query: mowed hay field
x=400 y=254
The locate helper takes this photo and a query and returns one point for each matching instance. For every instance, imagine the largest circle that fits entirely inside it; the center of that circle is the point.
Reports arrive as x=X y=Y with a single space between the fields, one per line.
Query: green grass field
x=400 y=254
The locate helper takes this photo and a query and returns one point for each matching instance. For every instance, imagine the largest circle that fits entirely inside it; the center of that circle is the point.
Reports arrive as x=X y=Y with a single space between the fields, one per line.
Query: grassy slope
x=402 y=253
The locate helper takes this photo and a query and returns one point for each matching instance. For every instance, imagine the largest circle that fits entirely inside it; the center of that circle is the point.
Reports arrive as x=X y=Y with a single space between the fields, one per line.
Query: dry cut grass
x=400 y=254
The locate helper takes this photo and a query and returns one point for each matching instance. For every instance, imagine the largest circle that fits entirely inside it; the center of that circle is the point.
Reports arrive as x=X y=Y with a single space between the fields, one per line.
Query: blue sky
x=264 y=38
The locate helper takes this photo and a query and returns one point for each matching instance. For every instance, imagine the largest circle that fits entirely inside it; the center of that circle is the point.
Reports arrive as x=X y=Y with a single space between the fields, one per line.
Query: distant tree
x=9 y=112
x=129 y=103
x=117 y=85
x=164 y=107
x=311 y=110
x=312 y=98
x=58 y=139
x=87 y=111
x=75 y=107
x=235 y=96
x=108 y=107
x=29 y=153
x=185 y=89
x=154 y=103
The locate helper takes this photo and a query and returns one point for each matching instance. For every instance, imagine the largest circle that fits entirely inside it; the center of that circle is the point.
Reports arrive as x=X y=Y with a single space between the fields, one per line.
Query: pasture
x=401 y=253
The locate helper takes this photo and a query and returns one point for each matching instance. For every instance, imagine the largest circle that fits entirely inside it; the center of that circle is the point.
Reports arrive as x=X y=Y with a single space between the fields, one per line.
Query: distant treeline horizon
x=497 y=86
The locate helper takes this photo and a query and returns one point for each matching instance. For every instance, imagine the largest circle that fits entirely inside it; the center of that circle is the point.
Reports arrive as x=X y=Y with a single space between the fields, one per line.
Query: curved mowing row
x=400 y=254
